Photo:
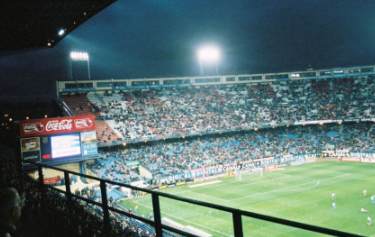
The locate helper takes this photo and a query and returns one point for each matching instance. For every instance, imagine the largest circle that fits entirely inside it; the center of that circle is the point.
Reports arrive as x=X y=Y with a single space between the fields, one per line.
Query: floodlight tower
x=208 y=55
x=79 y=56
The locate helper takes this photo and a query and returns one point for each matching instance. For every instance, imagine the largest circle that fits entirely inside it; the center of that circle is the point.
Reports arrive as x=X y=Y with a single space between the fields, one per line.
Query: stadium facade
x=64 y=87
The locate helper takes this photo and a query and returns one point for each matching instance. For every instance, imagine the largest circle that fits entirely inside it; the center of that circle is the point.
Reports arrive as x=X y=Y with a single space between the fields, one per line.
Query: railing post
x=157 y=216
x=41 y=184
x=103 y=190
x=68 y=192
x=237 y=224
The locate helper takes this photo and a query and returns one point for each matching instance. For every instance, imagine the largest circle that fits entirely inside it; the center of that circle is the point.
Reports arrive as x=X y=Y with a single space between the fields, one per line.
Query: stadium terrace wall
x=66 y=87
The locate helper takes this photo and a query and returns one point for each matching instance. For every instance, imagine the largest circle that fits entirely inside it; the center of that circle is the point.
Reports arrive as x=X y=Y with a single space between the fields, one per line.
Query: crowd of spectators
x=175 y=161
x=160 y=113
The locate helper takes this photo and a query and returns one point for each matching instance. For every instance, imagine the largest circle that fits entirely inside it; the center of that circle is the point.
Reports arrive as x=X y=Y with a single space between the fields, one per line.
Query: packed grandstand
x=162 y=113
x=187 y=160
x=209 y=129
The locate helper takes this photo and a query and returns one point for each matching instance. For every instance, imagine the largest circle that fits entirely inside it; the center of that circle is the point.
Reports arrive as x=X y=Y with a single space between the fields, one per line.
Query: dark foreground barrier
x=156 y=223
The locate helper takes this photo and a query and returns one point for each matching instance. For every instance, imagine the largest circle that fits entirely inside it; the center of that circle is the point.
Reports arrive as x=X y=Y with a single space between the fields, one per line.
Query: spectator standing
x=10 y=211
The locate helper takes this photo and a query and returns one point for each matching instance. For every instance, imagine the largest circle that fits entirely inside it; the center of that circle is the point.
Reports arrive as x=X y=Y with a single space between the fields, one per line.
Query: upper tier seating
x=156 y=114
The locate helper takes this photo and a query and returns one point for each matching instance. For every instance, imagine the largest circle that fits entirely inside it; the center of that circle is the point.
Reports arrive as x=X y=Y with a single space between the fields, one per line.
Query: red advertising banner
x=52 y=180
x=59 y=125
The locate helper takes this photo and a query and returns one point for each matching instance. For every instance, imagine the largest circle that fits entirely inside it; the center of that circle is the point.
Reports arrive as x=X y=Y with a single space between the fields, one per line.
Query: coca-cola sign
x=59 y=125
x=49 y=126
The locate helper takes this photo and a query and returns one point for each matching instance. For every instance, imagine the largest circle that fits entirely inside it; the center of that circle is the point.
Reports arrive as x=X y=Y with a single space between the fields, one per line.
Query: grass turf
x=300 y=193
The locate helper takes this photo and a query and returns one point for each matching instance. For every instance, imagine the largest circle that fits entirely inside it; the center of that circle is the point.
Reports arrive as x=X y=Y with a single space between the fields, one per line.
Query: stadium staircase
x=79 y=104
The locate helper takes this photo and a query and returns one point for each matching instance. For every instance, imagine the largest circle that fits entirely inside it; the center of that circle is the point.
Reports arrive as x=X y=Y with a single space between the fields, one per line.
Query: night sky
x=156 y=38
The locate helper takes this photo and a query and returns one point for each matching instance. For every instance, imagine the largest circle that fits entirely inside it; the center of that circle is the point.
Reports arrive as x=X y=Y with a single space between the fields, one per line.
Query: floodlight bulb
x=61 y=32
x=79 y=56
x=209 y=54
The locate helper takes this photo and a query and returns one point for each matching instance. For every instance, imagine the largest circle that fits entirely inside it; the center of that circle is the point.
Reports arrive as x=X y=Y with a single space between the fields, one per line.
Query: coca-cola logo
x=83 y=123
x=33 y=127
x=58 y=125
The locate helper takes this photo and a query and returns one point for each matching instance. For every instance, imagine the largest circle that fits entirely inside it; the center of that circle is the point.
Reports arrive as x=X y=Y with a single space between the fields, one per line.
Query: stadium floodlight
x=208 y=55
x=79 y=56
x=61 y=32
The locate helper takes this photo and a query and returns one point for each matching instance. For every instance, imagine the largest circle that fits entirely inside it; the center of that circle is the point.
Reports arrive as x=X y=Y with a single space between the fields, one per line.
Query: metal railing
x=156 y=223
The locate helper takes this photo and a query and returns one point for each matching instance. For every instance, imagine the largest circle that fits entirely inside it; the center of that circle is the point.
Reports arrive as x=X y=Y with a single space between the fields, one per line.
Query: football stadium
x=306 y=151
x=278 y=153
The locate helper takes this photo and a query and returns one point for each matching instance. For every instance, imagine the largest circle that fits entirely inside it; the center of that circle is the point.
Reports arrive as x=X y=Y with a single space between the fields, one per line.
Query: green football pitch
x=301 y=193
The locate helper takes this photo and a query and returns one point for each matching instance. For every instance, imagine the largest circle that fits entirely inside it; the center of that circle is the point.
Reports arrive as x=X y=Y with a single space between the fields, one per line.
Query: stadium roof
x=42 y=23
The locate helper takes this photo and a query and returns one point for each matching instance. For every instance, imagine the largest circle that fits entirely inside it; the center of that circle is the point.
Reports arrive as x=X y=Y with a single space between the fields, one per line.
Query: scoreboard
x=60 y=140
